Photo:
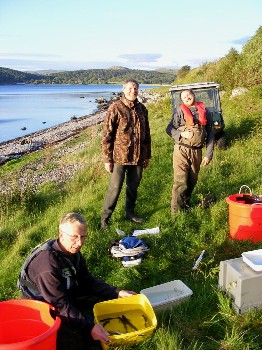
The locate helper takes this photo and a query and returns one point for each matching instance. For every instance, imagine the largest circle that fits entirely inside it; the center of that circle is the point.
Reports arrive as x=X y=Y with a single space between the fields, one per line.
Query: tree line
x=90 y=76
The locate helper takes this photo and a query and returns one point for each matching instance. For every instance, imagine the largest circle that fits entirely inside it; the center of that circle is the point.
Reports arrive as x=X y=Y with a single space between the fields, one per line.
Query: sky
x=137 y=34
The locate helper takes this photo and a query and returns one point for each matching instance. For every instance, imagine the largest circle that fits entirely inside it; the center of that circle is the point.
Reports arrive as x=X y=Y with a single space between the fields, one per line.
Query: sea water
x=25 y=109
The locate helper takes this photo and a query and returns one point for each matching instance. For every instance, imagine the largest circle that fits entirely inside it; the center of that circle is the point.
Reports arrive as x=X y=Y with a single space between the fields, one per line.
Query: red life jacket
x=189 y=117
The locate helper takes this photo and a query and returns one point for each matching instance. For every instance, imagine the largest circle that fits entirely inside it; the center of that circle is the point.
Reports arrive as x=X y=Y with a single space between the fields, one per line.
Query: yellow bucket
x=128 y=320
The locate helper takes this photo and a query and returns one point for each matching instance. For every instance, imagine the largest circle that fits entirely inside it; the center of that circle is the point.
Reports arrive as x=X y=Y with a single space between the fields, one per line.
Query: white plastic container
x=254 y=259
x=166 y=295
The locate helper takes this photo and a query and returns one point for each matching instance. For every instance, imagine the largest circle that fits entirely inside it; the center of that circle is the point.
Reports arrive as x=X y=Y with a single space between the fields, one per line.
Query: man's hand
x=187 y=134
x=109 y=167
x=206 y=161
x=125 y=293
x=99 y=333
x=146 y=163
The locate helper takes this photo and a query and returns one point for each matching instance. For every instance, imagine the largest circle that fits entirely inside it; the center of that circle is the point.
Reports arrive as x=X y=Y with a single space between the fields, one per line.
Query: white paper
x=147 y=231
x=121 y=233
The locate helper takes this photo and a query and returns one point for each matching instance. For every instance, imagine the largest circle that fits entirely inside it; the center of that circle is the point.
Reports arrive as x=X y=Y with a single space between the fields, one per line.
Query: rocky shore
x=63 y=132
x=46 y=138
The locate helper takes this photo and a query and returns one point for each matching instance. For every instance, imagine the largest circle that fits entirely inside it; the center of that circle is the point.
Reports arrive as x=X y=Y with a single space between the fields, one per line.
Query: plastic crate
x=166 y=295
x=242 y=283
x=128 y=320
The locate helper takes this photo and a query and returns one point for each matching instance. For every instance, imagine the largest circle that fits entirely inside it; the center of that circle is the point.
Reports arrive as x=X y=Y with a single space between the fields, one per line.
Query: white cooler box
x=242 y=283
x=166 y=295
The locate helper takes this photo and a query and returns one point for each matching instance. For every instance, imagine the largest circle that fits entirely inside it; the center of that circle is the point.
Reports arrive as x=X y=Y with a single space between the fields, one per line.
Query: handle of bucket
x=246 y=187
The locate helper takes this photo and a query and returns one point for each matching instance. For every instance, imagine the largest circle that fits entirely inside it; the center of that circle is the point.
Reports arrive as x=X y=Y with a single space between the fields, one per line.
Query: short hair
x=190 y=90
x=73 y=218
x=131 y=81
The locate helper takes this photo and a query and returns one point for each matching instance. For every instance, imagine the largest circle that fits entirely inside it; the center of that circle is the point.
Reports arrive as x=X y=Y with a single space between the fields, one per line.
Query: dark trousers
x=72 y=339
x=69 y=338
x=186 y=164
x=133 y=174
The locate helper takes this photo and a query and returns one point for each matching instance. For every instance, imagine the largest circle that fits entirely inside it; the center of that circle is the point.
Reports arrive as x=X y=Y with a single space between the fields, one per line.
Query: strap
x=188 y=146
x=28 y=284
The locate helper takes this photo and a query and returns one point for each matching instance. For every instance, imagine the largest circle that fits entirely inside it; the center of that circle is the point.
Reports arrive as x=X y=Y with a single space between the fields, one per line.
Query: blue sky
x=138 y=34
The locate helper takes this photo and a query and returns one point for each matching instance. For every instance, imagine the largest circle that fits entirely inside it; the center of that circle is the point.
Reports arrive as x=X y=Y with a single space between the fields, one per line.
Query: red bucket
x=27 y=325
x=245 y=217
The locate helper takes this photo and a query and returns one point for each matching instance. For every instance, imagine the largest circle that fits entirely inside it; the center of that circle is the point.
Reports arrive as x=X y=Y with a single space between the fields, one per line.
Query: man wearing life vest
x=191 y=130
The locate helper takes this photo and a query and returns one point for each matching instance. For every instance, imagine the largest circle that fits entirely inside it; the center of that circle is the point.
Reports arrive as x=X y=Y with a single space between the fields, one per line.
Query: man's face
x=72 y=237
x=188 y=98
x=130 y=91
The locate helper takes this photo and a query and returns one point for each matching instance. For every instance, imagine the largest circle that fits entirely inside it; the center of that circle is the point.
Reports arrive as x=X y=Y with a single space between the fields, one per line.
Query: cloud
x=140 y=58
x=132 y=61
x=34 y=65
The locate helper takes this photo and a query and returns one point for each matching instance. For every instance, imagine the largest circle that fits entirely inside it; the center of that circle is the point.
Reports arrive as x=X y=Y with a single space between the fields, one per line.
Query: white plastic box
x=166 y=295
x=254 y=259
x=242 y=283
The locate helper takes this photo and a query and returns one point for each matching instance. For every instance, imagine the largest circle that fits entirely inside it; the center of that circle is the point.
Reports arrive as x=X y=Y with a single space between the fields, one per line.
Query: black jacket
x=61 y=279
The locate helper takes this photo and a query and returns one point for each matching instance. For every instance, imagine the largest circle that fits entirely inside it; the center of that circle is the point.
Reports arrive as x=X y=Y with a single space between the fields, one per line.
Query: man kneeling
x=56 y=273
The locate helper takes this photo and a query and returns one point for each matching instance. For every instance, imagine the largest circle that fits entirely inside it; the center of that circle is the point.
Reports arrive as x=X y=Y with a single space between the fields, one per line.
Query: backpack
x=24 y=284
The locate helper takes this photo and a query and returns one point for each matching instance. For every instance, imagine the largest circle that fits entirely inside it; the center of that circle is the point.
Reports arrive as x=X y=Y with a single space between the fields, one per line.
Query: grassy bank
x=206 y=320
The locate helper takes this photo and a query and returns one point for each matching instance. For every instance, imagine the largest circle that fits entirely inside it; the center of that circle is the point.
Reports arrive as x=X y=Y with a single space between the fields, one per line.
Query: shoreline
x=38 y=140
x=54 y=135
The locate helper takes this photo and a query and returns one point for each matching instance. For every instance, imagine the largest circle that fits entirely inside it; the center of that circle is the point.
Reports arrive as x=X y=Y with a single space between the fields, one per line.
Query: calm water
x=37 y=107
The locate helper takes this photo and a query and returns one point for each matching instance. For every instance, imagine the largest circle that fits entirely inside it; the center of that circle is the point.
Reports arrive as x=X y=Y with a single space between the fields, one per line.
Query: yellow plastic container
x=128 y=320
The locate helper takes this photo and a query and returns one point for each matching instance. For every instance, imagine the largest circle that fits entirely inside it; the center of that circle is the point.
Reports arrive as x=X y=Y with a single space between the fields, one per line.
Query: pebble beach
x=48 y=137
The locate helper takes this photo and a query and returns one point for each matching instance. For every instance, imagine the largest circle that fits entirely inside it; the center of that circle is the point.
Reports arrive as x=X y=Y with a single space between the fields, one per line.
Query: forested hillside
x=90 y=76
x=11 y=76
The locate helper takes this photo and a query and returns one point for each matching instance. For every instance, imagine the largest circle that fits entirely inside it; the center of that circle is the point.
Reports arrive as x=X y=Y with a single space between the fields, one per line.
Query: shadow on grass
x=241 y=131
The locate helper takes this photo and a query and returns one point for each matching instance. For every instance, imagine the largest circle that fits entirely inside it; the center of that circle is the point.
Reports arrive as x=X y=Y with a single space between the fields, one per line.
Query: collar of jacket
x=57 y=248
x=129 y=104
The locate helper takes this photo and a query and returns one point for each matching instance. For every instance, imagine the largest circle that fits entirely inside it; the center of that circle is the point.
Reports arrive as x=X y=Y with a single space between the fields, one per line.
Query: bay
x=37 y=107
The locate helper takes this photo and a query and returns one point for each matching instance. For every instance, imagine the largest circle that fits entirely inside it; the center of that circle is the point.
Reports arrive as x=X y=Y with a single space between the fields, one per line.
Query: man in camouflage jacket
x=126 y=149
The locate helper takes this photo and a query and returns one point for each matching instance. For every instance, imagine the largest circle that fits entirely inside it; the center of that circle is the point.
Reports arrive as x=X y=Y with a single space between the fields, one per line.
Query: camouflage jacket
x=126 y=133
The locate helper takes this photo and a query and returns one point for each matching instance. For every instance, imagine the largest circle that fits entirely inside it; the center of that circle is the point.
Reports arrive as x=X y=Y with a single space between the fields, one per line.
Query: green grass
x=207 y=320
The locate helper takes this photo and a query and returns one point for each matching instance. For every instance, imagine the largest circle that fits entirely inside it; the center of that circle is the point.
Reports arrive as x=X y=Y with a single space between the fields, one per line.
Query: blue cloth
x=132 y=242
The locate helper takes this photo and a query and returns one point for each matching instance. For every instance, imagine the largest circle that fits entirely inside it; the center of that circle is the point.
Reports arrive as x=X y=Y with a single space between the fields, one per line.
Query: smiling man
x=191 y=129
x=56 y=272
x=126 y=148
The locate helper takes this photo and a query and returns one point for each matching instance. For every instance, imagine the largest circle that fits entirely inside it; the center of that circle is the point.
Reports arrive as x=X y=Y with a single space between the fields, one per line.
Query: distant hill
x=117 y=68
x=46 y=71
x=10 y=76
x=90 y=76
x=166 y=70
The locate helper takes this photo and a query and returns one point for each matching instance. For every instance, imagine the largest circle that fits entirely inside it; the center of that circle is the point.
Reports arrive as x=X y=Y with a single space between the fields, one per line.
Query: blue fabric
x=132 y=242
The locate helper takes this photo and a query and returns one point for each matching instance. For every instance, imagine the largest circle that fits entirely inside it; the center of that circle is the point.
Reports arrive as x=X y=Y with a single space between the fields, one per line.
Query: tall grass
x=206 y=320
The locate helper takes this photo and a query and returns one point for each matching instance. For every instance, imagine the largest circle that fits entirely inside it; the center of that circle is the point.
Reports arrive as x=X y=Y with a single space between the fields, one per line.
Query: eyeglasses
x=75 y=238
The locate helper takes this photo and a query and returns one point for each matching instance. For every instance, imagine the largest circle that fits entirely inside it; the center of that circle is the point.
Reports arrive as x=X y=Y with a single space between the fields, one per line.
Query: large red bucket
x=245 y=217
x=27 y=325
